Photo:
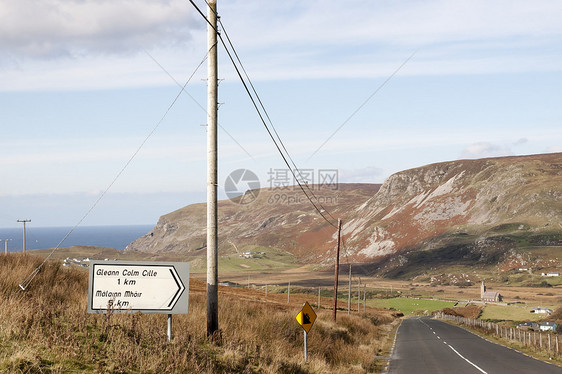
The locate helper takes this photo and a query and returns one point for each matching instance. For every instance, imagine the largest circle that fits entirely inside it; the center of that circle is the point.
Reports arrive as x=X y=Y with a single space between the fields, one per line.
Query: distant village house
x=548 y=326
x=489 y=296
x=529 y=326
x=541 y=310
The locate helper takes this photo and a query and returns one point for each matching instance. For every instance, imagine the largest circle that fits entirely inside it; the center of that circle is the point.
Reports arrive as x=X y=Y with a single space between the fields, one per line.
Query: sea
x=49 y=237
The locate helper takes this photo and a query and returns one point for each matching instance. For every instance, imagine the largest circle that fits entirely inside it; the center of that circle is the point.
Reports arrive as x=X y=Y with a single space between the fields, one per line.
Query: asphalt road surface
x=425 y=345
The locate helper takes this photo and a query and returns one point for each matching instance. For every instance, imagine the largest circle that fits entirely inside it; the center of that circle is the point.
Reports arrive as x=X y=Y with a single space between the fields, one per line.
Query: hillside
x=278 y=218
x=469 y=210
x=46 y=329
x=469 y=196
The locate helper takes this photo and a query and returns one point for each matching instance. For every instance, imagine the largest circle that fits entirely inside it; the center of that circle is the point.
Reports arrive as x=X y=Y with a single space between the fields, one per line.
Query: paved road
x=425 y=345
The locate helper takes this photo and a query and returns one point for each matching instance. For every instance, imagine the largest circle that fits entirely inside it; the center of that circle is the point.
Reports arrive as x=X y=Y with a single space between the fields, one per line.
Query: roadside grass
x=410 y=306
x=46 y=329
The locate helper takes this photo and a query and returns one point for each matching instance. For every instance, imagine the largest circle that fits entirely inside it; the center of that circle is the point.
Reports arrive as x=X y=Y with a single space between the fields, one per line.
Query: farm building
x=529 y=326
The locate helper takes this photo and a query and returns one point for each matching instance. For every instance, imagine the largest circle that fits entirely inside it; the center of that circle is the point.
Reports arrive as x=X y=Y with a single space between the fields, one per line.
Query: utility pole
x=24 y=221
x=349 y=292
x=336 y=271
x=212 y=157
x=364 y=297
x=6 y=246
x=359 y=295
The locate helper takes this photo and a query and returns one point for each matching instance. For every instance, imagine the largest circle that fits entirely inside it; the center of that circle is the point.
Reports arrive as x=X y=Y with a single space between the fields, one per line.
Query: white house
x=548 y=326
x=541 y=310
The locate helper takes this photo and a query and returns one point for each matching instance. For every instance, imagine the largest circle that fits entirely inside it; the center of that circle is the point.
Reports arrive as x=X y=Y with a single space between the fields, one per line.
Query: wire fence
x=539 y=341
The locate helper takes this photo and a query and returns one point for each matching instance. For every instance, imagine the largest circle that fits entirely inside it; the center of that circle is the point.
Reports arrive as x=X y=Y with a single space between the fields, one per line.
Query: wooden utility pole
x=336 y=271
x=212 y=156
x=359 y=295
x=24 y=221
x=349 y=292
x=364 y=297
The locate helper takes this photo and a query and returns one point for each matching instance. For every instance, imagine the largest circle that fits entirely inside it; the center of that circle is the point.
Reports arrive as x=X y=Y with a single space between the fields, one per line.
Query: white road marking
x=472 y=363
x=454 y=350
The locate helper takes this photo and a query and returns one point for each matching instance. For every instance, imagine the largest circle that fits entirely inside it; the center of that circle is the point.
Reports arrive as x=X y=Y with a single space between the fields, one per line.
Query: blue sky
x=81 y=91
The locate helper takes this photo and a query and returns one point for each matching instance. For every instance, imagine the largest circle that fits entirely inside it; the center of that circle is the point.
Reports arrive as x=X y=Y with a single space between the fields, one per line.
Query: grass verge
x=46 y=329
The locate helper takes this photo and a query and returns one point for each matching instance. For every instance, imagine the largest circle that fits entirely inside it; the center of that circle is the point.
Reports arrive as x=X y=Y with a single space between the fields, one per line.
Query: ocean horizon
x=117 y=236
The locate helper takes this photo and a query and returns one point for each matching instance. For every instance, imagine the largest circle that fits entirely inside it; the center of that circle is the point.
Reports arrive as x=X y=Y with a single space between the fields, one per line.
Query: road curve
x=424 y=345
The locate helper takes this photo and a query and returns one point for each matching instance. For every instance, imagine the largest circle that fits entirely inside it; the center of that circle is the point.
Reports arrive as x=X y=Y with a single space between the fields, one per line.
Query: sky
x=364 y=88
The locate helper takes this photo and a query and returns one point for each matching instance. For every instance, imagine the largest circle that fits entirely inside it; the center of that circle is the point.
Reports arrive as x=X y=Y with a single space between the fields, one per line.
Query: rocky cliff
x=468 y=196
x=417 y=209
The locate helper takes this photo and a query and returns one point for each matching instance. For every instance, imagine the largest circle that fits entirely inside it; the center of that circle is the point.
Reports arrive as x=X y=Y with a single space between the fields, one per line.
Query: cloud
x=485 y=149
x=362 y=175
x=63 y=29
x=521 y=141
x=104 y=40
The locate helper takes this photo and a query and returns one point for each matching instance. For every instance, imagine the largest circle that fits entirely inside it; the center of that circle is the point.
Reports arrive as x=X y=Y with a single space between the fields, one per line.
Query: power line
x=282 y=148
x=363 y=104
x=198 y=104
x=284 y=156
x=27 y=281
x=271 y=122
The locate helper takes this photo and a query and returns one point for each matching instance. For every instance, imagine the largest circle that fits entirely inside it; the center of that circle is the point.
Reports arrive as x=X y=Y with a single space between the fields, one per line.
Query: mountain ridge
x=423 y=208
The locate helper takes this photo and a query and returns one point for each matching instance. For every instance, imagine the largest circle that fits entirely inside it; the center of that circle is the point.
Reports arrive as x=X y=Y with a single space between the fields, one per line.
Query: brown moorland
x=46 y=329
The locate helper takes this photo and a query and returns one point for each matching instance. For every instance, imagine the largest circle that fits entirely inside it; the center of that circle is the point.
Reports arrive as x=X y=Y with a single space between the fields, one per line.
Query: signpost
x=306 y=318
x=147 y=287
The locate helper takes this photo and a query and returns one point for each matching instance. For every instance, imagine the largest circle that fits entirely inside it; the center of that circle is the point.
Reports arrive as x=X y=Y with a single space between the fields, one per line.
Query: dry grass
x=46 y=329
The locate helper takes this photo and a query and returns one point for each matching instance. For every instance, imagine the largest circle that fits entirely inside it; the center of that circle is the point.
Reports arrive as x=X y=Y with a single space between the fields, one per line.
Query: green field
x=510 y=313
x=410 y=306
x=273 y=259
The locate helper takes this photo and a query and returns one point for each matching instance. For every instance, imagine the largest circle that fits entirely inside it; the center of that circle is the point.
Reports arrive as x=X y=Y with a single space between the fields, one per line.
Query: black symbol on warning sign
x=305 y=319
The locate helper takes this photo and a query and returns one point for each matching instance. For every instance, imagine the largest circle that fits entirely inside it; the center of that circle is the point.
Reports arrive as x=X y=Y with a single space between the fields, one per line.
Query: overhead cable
x=280 y=148
x=27 y=281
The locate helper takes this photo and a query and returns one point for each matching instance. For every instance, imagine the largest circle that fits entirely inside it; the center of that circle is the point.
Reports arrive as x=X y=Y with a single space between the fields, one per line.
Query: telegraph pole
x=6 y=246
x=212 y=221
x=359 y=295
x=336 y=271
x=24 y=221
x=349 y=292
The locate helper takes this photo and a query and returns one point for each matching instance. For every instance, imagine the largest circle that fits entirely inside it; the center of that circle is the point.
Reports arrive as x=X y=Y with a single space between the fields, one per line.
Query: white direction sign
x=149 y=287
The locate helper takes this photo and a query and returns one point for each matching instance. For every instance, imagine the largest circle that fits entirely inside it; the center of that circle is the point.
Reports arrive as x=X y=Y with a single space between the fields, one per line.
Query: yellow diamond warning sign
x=306 y=317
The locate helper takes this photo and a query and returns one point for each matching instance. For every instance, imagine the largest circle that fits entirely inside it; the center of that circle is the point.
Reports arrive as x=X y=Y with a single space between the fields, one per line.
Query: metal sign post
x=169 y=327
x=305 y=346
x=306 y=318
